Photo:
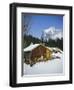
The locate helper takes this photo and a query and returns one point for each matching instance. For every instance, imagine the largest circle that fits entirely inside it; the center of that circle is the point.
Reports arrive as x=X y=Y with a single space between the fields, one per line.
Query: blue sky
x=42 y=22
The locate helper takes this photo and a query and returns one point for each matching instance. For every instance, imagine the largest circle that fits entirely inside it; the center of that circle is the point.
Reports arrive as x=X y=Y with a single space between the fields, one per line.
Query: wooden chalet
x=36 y=53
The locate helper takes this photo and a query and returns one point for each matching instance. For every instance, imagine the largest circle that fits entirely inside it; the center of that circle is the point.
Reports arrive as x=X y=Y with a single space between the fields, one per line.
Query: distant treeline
x=28 y=39
x=55 y=43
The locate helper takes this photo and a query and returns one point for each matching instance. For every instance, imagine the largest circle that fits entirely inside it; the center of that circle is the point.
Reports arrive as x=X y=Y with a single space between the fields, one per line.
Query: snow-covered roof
x=31 y=47
x=56 y=49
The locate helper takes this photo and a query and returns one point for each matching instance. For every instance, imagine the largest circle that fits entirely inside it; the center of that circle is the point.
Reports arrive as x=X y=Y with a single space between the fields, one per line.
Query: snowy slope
x=53 y=66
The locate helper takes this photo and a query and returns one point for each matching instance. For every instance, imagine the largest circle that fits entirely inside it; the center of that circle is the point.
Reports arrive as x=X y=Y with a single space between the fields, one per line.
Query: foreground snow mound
x=53 y=66
x=56 y=55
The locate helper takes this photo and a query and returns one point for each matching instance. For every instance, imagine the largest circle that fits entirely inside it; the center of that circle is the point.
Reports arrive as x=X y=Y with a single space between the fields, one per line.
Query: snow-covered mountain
x=52 y=33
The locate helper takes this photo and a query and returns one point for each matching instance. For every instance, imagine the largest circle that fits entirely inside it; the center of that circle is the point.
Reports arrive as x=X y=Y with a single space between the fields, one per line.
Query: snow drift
x=54 y=66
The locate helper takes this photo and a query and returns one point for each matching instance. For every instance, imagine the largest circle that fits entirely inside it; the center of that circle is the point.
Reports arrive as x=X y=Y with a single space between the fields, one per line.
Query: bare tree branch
x=26 y=24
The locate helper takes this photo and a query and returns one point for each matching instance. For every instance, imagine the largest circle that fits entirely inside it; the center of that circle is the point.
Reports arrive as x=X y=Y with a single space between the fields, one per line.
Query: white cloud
x=52 y=33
